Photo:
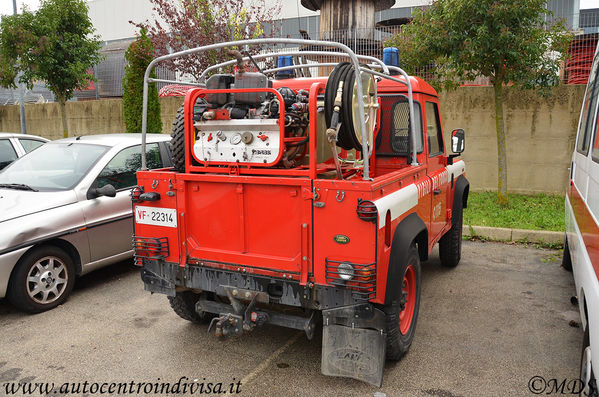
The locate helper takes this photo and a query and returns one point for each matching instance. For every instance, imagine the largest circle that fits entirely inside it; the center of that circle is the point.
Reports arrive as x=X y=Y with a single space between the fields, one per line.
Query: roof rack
x=346 y=52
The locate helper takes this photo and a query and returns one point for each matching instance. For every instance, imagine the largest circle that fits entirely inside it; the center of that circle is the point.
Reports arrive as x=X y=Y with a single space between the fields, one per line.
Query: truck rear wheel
x=178 y=141
x=401 y=316
x=184 y=304
x=450 y=245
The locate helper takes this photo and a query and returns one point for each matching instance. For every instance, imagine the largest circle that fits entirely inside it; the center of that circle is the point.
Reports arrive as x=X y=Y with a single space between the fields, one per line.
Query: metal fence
x=109 y=73
x=371 y=42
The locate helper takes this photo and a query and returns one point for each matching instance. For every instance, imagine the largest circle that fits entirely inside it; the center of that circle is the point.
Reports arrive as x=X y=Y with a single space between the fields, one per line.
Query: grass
x=535 y=212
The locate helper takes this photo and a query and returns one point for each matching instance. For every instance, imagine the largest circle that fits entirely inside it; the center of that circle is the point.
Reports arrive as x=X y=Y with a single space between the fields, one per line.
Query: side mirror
x=106 y=190
x=458 y=140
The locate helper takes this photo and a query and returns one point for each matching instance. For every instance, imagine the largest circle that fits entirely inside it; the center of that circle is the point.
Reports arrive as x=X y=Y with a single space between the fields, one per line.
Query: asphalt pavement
x=486 y=328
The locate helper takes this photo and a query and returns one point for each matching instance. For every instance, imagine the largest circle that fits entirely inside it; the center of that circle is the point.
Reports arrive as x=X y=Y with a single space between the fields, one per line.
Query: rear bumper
x=166 y=278
x=354 y=338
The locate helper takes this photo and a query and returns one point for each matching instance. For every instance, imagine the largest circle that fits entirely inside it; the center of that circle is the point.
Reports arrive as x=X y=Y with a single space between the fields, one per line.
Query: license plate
x=156 y=216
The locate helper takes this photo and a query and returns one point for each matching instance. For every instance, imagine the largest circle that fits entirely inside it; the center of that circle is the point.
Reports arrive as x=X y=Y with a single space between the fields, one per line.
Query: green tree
x=506 y=41
x=55 y=44
x=139 y=55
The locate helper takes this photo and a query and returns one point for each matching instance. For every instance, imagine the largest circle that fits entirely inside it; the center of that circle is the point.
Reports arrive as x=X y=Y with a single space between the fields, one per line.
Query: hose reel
x=343 y=78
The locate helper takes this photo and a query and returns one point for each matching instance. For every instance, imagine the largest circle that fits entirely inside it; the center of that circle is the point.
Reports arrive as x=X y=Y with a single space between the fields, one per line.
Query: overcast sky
x=6 y=5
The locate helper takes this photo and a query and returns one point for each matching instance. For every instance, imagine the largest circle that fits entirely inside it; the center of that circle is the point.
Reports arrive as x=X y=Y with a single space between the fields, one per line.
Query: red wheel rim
x=409 y=291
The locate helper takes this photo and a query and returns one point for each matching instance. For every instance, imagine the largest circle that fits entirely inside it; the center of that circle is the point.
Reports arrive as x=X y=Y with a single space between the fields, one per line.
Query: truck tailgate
x=259 y=223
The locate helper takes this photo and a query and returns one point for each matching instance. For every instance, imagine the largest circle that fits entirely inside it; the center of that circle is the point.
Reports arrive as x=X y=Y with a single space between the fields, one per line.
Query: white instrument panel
x=237 y=141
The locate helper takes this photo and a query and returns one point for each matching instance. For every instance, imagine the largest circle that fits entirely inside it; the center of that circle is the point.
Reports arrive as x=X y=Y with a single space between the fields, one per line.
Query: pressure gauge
x=247 y=137
x=235 y=139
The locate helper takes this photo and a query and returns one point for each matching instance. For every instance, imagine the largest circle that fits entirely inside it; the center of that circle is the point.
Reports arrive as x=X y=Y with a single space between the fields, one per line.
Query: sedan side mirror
x=106 y=190
x=458 y=140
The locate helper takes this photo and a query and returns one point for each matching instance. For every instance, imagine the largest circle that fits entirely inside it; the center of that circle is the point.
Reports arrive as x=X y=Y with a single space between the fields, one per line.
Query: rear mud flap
x=156 y=283
x=354 y=344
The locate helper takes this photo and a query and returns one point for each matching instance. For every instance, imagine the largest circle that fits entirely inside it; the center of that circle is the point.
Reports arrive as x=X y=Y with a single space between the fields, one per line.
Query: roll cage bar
x=347 y=52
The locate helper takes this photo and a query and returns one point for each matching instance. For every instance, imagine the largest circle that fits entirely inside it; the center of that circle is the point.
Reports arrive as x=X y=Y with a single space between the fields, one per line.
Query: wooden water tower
x=355 y=16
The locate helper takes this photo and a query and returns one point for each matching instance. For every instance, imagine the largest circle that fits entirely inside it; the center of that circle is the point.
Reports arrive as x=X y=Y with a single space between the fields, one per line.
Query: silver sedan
x=65 y=210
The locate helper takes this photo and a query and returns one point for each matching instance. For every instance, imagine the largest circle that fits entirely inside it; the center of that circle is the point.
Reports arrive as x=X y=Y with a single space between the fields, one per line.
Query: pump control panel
x=248 y=141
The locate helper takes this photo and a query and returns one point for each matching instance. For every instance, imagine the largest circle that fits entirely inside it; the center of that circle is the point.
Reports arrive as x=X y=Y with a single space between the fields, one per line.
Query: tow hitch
x=236 y=318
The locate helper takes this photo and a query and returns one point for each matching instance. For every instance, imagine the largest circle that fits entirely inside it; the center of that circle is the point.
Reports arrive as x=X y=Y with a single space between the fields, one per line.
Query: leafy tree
x=506 y=41
x=194 y=23
x=55 y=44
x=139 y=55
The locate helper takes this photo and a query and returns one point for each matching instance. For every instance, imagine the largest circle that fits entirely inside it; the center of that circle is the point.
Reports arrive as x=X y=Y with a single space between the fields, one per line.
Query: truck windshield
x=52 y=167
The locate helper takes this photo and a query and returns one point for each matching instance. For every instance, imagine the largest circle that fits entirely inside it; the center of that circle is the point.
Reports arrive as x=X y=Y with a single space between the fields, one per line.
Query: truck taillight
x=135 y=193
x=149 y=248
x=360 y=278
x=366 y=210
x=345 y=271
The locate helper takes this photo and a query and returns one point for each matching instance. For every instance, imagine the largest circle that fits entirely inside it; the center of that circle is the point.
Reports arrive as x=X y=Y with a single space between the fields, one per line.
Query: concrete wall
x=540 y=131
x=540 y=135
x=84 y=118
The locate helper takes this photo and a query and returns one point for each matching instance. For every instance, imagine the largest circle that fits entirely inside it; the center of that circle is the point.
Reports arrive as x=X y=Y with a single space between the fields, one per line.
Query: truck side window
x=433 y=129
x=400 y=127
x=588 y=111
x=120 y=171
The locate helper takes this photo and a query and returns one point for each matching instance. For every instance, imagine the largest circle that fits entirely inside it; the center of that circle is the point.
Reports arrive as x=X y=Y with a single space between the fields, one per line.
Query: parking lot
x=485 y=328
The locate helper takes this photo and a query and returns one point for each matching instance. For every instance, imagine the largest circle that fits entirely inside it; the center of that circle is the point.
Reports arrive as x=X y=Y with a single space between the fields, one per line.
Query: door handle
x=437 y=191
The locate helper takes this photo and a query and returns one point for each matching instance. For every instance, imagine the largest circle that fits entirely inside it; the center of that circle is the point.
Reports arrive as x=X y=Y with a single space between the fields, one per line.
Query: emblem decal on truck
x=341 y=239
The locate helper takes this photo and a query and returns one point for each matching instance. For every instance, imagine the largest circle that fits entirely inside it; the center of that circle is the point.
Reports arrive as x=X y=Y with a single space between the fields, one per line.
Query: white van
x=581 y=250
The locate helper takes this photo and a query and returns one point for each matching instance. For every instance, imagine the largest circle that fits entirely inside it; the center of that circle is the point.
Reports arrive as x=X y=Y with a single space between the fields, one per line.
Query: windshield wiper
x=17 y=186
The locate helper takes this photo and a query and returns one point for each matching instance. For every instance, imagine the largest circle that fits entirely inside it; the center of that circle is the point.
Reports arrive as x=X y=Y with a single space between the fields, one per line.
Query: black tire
x=178 y=141
x=399 y=338
x=54 y=274
x=566 y=258
x=184 y=304
x=589 y=387
x=450 y=245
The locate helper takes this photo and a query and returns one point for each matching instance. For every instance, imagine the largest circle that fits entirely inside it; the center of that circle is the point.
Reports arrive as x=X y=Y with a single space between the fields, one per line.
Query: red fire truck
x=304 y=200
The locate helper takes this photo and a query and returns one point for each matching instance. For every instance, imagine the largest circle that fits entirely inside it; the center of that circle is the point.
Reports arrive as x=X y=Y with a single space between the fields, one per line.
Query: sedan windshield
x=54 y=166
